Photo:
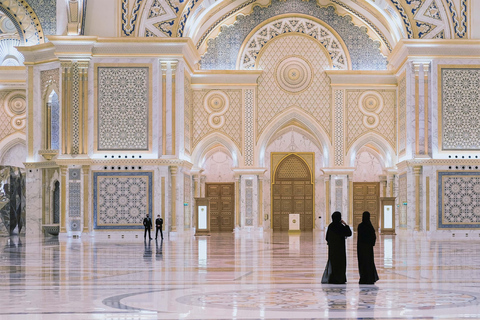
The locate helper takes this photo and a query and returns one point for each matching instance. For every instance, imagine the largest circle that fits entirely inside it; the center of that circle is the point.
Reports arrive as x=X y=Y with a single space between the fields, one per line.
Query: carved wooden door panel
x=366 y=197
x=292 y=192
x=222 y=200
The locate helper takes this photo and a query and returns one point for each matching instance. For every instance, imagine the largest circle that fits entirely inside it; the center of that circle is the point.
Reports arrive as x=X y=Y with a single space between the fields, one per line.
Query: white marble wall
x=295 y=140
x=34 y=187
x=367 y=167
x=218 y=168
x=15 y=156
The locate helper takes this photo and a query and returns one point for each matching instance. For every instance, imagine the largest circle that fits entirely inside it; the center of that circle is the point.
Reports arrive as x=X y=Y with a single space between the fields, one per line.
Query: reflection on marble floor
x=228 y=276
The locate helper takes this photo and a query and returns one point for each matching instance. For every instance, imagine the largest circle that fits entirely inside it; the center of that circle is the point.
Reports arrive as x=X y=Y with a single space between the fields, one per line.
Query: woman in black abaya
x=365 y=243
x=336 y=267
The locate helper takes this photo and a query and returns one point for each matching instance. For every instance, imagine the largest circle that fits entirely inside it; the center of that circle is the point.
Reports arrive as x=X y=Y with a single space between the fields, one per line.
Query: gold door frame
x=276 y=159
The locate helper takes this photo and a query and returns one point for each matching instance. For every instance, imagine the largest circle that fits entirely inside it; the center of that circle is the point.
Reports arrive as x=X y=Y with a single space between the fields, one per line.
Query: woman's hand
x=343 y=222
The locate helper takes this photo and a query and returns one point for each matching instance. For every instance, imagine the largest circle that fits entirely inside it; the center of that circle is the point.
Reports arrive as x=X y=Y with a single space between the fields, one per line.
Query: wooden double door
x=292 y=192
x=222 y=206
x=366 y=197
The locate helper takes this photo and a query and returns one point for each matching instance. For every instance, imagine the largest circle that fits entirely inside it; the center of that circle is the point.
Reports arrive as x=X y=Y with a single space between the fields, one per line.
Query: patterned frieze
x=74 y=106
x=121 y=199
x=217 y=111
x=339 y=103
x=123 y=108
x=371 y=111
x=458 y=200
x=249 y=103
x=293 y=76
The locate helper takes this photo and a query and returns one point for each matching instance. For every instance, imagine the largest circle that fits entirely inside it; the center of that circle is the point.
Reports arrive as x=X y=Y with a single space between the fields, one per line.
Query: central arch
x=292 y=193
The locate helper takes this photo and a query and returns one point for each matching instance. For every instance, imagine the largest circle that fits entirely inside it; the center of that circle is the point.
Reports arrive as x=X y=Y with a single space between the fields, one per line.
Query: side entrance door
x=366 y=197
x=222 y=204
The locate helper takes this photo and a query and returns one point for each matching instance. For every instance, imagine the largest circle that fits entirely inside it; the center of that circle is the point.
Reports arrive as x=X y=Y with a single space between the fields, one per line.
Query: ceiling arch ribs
x=25 y=18
x=225 y=41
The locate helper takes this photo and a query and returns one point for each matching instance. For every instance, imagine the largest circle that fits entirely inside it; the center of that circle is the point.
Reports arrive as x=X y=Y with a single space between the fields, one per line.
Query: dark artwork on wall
x=12 y=199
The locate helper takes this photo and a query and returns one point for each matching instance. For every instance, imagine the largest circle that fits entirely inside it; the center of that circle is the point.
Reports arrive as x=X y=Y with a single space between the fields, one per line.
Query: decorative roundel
x=371 y=104
x=7 y=25
x=16 y=103
x=216 y=103
x=293 y=74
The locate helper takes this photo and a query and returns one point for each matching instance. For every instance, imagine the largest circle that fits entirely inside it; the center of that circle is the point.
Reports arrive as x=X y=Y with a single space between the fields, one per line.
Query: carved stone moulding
x=52 y=229
x=48 y=154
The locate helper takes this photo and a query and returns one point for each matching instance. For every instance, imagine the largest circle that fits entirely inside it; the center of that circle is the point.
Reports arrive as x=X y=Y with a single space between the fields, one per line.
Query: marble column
x=237 y=202
x=202 y=186
x=34 y=195
x=417 y=171
x=169 y=107
x=196 y=186
x=339 y=196
x=390 y=183
x=63 y=199
x=327 y=200
x=74 y=107
x=421 y=108
x=247 y=190
x=260 y=201
x=383 y=186
x=164 y=67
x=173 y=199
x=86 y=211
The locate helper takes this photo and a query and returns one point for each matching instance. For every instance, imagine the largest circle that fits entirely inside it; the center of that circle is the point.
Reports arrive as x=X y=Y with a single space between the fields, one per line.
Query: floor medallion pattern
x=331 y=298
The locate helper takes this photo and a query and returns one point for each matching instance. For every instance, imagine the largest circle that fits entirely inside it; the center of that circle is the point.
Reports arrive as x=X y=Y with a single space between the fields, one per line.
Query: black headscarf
x=366 y=217
x=336 y=217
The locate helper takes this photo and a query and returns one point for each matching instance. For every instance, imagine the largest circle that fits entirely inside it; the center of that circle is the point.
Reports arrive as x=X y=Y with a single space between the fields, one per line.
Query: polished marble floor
x=232 y=276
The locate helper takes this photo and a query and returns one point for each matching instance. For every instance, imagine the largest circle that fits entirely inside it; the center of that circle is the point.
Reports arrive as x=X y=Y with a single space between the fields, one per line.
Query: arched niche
x=218 y=165
x=52 y=121
x=14 y=155
x=369 y=165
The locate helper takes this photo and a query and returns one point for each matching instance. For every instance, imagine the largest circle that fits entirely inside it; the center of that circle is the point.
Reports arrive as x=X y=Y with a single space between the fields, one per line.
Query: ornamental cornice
x=249 y=171
x=41 y=165
x=109 y=162
x=428 y=49
x=438 y=162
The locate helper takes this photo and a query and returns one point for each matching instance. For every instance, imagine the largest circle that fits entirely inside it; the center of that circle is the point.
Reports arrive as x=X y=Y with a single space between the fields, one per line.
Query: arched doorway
x=292 y=192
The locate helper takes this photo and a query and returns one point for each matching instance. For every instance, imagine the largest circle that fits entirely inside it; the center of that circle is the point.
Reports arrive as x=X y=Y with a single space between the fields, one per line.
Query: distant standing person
x=336 y=267
x=158 y=226
x=147 y=223
x=365 y=242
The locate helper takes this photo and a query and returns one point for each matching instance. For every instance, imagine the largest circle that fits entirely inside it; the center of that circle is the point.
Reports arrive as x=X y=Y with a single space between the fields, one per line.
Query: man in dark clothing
x=158 y=226
x=147 y=223
x=336 y=267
